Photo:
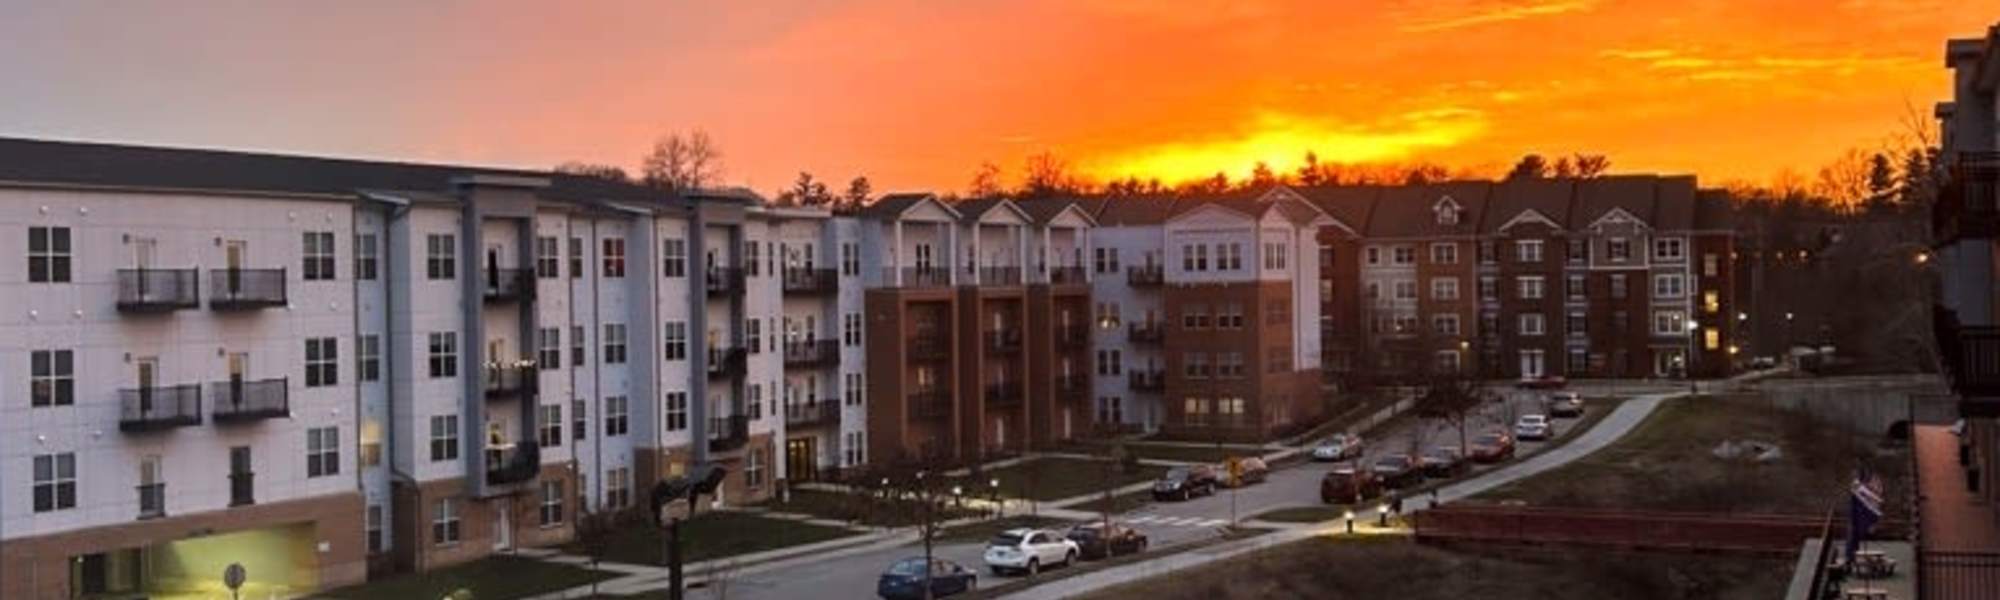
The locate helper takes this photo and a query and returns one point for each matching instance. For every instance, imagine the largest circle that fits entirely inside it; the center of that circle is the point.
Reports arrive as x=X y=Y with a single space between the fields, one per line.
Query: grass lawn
x=1119 y=504
x=1203 y=454
x=494 y=578
x=1047 y=479
x=1303 y=514
x=711 y=536
x=980 y=531
x=1394 y=567
x=856 y=508
x=1675 y=445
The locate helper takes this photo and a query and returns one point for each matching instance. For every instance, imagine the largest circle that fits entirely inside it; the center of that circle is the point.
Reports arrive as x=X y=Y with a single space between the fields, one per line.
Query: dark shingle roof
x=1406 y=211
x=1510 y=199
x=890 y=205
x=1637 y=195
x=1349 y=204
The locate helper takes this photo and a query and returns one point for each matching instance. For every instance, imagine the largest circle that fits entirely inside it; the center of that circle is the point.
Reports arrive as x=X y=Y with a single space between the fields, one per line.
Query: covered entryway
x=280 y=562
x=802 y=459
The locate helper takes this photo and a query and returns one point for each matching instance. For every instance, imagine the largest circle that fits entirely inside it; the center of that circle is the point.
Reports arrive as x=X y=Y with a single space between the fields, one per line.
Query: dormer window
x=1447 y=211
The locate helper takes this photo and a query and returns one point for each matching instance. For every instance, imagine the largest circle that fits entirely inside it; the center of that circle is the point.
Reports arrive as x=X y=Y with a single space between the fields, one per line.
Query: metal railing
x=917 y=277
x=1146 y=332
x=799 y=280
x=1968 y=204
x=1072 y=336
x=1146 y=276
x=1146 y=381
x=515 y=464
x=238 y=401
x=1066 y=275
x=509 y=382
x=812 y=353
x=1003 y=341
x=725 y=281
x=999 y=276
x=1943 y=575
x=1971 y=359
x=727 y=362
x=929 y=346
x=158 y=290
x=728 y=433
x=509 y=285
x=159 y=407
x=1003 y=394
x=812 y=413
x=930 y=403
x=152 y=500
x=246 y=289
x=242 y=488
x=1072 y=388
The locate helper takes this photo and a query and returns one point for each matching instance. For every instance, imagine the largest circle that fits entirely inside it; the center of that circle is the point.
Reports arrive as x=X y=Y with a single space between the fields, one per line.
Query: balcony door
x=802 y=458
x=493 y=268
x=239 y=376
x=148 y=370
x=144 y=251
x=234 y=254
x=503 y=524
x=152 y=487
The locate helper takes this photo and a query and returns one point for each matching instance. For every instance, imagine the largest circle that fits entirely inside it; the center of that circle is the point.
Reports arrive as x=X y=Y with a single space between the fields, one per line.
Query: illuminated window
x=1712 y=339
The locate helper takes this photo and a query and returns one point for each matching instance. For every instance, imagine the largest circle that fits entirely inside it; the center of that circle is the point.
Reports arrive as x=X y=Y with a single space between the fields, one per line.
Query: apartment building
x=374 y=366
x=1211 y=330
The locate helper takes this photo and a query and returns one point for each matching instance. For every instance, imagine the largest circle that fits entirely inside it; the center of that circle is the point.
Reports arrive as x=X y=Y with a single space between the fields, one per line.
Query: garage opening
x=278 y=562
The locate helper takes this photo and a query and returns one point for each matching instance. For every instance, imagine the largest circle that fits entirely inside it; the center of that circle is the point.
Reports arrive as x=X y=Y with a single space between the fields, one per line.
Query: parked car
x=905 y=580
x=1532 y=427
x=1545 y=382
x=1566 y=404
x=1442 y=461
x=1027 y=550
x=1396 y=470
x=1764 y=362
x=1347 y=484
x=1239 y=472
x=1492 y=447
x=1185 y=482
x=1096 y=540
x=1342 y=446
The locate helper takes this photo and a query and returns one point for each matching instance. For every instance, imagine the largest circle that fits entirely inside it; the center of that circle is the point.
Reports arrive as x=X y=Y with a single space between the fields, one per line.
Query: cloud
x=1489 y=13
x=1280 y=140
x=1699 y=66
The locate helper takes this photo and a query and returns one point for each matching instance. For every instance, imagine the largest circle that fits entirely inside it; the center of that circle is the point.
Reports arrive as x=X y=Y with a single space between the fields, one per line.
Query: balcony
x=929 y=346
x=930 y=404
x=507 y=383
x=152 y=501
x=1146 y=276
x=725 y=281
x=246 y=289
x=727 y=362
x=159 y=408
x=507 y=286
x=728 y=433
x=1072 y=388
x=1004 y=342
x=1968 y=205
x=1971 y=357
x=1001 y=395
x=1066 y=275
x=917 y=277
x=242 y=488
x=812 y=414
x=1147 y=381
x=812 y=354
x=158 y=290
x=514 y=463
x=999 y=276
x=1149 y=333
x=810 y=282
x=1072 y=336
x=239 y=401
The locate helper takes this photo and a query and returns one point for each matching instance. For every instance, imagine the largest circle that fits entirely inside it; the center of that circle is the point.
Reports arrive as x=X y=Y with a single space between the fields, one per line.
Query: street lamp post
x=1350 y=521
x=1687 y=364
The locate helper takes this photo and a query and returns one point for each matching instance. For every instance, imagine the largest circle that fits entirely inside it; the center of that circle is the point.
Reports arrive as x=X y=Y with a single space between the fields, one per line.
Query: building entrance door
x=802 y=459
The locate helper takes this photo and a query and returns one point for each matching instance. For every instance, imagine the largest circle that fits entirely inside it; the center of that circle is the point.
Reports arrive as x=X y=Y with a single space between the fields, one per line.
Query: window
x=1406 y=289
x=575 y=257
x=1529 y=287
x=1444 y=254
x=48 y=255
x=1444 y=288
x=1618 y=286
x=548 y=348
x=548 y=257
x=444 y=354
x=1711 y=338
x=1277 y=312
x=549 y=426
x=55 y=481
x=1668 y=249
x=1445 y=324
x=614 y=343
x=367 y=259
x=616 y=415
x=1528 y=251
x=1229 y=365
x=1620 y=321
x=1374 y=254
x=614 y=257
x=1579 y=250
x=618 y=487
x=1195 y=411
x=1532 y=324
x=1577 y=324
x=444 y=437
x=677 y=411
x=1229 y=316
x=1229 y=257
x=371 y=453
x=674 y=258
x=1448 y=361
x=576 y=346
x=1105 y=260
x=1709 y=264
x=753 y=468
x=1275 y=256
x=440 y=256
x=852 y=391
x=1110 y=362
x=1404 y=255
x=1488 y=252
x=1711 y=302
x=1406 y=323
x=368 y=357
x=1668 y=286
x=51 y=378
x=1669 y=322
x=675 y=337
x=552 y=503
x=1447 y=213
x=1574 y=286
x=1278 y=360
x=1618 y=249
x=1489 y=288
x=444 y=524
x=1194 y=316
x=1194 y=365
x=375 y=541
x=579 y=427
x=322 y=451
x=322 y=362
x=850 y=334
x=317 y=258
x=850 y=259
x=1374 y=290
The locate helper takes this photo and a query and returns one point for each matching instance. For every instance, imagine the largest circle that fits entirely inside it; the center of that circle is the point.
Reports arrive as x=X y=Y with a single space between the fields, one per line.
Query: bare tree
x=593 y=531
x=600 y=171
x=858 y=192
x=1845 y=180
x=923 y=483
x=1309 y=171
x=683 y=161
x=1591 y=166
x=1049 y=175
x=985 y=182
x=1532 y=166
x=805 y=192
x=1452 y=398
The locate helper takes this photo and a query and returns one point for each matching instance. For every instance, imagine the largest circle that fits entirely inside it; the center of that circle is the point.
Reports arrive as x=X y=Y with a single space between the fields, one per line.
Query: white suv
x=1028 y=550
x=1532 y=427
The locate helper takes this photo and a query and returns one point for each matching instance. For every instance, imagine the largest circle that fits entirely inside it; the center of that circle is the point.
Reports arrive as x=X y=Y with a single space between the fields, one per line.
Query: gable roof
x=893 y=206
x=1351 y=205
x=1406 y=211
x=1043 y=211
x=971 y=211
x=1520 y=200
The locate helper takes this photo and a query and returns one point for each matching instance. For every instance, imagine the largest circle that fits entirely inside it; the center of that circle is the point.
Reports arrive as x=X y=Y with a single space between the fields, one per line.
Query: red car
x=1491 y=447
x=1348 y=484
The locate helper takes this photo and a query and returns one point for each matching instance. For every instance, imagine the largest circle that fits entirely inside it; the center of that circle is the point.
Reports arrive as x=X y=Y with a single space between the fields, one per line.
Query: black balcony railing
x=1146 y=276
x=930 y=404
x=1968 y=205
x=158 y=290
x=725 y=281
x=152 y=500
x=929 y=346
x=1066 y=275
x=727 y=362
x=1004 y=394
x=1072 y=388
x=999 y=276
x=812 y=414
x=803 y=281
x=1957 y=575
x=246 y=289
x=1003 y=341
x=242 y=401
x=159 y=407
x=242 y=488
x=1072 y=336
x=728 y=433
x=1147 y=381
x=812 y=353
x=1971 y=358
x=513 y=464
x=1150 y=333
x=509 y=285
x=917 y=277
x=504 y=383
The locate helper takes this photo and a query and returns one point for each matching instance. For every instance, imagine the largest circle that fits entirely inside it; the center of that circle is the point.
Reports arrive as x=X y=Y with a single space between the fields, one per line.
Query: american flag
x=1864 y=508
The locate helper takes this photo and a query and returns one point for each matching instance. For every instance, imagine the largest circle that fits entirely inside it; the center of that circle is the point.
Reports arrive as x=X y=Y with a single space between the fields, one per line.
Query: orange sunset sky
x=916 y=94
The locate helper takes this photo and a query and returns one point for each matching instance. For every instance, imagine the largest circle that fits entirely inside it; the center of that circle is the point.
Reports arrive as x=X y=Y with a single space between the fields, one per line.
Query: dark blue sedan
x=905 y=580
